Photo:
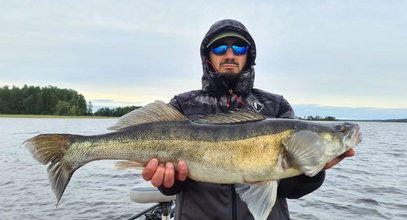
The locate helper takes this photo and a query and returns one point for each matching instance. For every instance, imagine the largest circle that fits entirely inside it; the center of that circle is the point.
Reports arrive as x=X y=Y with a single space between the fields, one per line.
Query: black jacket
x=198 y=200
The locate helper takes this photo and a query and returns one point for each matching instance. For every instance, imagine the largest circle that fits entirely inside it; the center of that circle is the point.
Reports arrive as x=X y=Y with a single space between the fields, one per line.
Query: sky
x=342 y=58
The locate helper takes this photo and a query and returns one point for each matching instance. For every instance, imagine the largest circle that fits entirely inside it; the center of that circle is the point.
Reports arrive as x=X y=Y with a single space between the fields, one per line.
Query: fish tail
x=51 y=148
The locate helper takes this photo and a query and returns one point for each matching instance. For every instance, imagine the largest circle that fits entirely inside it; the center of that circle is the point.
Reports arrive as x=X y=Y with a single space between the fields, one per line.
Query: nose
x=229 y=53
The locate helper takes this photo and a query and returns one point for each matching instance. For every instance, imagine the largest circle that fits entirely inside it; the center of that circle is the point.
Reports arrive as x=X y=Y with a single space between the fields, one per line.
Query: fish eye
x=340 y=128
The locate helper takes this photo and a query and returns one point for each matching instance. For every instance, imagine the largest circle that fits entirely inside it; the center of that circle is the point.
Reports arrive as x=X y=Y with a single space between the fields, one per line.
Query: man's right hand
x=160 y=174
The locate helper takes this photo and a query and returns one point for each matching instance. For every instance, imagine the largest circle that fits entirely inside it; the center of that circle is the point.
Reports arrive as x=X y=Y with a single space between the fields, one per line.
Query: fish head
x=351 y=134
x=345 y=133
x=312 y=144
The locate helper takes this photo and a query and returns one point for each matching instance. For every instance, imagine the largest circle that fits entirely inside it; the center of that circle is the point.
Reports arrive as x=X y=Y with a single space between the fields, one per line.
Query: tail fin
x=51 y=148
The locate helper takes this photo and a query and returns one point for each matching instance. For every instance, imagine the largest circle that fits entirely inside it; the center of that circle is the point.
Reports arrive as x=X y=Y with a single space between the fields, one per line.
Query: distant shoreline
x=107 y=117
x=53 y=116
x=363 y=120
x=378 y=120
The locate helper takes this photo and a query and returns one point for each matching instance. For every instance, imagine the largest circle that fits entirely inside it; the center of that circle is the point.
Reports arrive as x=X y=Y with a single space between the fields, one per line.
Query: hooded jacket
x=199 y=200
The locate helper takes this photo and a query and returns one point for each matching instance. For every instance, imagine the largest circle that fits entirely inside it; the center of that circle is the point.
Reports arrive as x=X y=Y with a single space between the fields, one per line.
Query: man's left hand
x=349 y=153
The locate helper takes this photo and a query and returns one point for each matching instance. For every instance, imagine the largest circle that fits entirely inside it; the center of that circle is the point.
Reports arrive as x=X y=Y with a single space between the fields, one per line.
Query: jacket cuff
x=175 y=189
x=320 y=177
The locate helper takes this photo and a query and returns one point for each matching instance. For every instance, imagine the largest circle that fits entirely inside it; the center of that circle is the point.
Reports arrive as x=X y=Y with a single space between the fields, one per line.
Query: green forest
x=115 y=112
x=50 y=100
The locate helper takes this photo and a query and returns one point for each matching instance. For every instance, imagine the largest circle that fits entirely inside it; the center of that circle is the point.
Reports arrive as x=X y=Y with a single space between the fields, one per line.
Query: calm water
x=372 y=185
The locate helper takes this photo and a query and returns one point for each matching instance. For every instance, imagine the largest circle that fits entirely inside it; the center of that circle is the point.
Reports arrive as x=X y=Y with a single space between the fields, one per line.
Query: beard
x=229 y=78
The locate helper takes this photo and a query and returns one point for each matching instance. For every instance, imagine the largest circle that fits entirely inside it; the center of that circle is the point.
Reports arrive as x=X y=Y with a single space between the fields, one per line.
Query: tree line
x=115 y=112
x=47 y=100
x=318 y=118
x=51 y=100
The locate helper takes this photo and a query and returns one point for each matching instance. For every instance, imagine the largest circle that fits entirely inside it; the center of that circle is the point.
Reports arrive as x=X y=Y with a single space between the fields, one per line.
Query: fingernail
x=169 y=165
x=181 y=166
x=154 y=162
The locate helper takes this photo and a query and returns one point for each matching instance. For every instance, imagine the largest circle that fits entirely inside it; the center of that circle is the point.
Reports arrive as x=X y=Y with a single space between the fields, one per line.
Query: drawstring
x=213 y=66
x=234 y=96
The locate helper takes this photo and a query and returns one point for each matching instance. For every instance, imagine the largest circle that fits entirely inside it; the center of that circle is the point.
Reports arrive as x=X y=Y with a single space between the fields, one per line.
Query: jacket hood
x=212 y=81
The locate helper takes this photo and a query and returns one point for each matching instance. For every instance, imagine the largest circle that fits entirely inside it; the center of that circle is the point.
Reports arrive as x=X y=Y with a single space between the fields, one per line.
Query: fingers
x=158 y=177
x=182 y=171
x=348 y=153
x=150 y=169
x=159 y=174
x=333 y=162
x=169 y=175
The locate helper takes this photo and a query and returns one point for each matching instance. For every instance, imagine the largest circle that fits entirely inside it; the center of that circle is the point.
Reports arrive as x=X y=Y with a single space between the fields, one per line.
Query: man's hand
x=349 y=153
x=161 y=174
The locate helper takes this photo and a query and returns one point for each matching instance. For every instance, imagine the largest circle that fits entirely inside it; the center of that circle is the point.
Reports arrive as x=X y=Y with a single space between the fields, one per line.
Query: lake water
x=371 y=185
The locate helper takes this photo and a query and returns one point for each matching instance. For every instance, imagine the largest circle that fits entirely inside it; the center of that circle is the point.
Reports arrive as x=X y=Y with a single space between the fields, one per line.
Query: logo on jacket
x=257 y=106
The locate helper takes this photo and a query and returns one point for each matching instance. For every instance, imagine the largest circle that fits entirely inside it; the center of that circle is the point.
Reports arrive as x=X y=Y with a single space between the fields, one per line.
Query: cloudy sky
x=346 y=58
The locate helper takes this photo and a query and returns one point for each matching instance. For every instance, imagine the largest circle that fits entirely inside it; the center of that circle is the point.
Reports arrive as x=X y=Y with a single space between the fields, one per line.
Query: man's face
x=228 y=63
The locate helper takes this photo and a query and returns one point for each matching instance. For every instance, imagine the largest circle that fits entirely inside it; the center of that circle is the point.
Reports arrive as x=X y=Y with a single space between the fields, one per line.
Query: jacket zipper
x=231 y=94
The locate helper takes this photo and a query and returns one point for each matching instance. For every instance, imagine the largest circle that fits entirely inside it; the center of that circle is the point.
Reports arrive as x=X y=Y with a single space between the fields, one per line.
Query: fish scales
x=202 y=146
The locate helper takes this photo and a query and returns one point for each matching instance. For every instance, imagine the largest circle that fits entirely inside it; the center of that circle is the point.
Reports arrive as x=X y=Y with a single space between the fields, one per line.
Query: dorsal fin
x=233 y=117
x=153 y=112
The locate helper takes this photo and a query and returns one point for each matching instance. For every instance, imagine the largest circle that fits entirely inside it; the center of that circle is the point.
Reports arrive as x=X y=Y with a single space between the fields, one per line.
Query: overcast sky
x=334 y=53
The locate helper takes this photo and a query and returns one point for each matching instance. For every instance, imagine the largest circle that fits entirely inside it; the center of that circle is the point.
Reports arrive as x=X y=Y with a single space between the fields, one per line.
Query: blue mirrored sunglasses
x=237 y=50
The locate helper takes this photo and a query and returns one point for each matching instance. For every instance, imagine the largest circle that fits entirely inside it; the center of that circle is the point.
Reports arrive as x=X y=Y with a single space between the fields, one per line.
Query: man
x=228 y=55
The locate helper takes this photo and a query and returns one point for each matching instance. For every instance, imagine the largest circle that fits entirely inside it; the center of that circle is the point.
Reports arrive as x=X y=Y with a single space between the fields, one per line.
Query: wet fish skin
x=225 y=151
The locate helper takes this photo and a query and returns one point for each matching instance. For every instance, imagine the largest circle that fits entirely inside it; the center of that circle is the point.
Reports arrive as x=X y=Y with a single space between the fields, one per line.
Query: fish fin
x=306 y=150
x=237 y=116
x=259 y=197
x=127 y=164
x=153 y=112
x=50 y=148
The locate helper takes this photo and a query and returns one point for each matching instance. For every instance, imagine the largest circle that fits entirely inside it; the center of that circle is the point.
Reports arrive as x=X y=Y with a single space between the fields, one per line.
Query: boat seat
x=149 y=195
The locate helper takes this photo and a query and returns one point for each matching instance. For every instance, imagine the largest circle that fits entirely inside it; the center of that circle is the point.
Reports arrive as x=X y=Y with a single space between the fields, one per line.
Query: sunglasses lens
x=238 y=50
x=220 y=50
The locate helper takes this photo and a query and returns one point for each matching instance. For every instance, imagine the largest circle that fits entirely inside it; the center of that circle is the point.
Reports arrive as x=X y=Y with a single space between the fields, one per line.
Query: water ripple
x=370 y=186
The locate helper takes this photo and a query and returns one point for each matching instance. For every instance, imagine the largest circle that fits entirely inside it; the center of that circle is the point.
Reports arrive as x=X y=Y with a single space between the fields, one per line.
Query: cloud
x=102 y=100
x=339 y=53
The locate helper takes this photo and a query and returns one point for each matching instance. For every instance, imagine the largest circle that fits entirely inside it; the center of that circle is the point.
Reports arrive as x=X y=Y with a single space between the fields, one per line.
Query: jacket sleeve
x=298 y=186
x=285 y=110
x=175 y=103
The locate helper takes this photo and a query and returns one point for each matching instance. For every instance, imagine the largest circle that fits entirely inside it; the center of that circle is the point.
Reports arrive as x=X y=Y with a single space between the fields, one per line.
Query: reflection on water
x=372 y=185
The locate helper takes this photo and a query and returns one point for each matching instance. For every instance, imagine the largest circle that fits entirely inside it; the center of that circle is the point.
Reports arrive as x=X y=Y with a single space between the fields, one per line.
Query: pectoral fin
x=259 y=197
x=306 y=150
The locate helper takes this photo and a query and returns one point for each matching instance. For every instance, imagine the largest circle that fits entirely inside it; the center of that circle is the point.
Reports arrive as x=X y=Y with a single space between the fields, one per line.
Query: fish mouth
x=353 y=138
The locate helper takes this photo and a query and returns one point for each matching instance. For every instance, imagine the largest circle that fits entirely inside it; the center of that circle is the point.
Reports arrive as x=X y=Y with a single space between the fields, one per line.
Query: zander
x=240 y=147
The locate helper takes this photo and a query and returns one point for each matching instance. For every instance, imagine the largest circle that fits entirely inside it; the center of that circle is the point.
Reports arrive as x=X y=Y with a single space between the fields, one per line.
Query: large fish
x=242 y=147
